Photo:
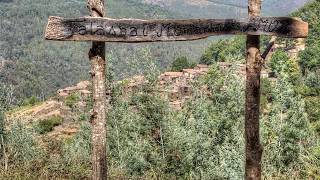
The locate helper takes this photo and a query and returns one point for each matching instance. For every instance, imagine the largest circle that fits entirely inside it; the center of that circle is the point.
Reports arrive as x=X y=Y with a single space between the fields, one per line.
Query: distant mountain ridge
x=226 y=8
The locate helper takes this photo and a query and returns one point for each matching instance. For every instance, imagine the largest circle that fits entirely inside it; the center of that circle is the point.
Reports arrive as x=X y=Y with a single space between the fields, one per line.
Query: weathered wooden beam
x=136 y=30
x=254 y=64
x=98 y=116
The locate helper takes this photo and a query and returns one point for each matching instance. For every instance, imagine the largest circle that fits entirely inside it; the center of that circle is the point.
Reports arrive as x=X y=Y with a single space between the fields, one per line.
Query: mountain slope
x=34 y=67
x=38 y=67
x=226 y=8
x=204 y=140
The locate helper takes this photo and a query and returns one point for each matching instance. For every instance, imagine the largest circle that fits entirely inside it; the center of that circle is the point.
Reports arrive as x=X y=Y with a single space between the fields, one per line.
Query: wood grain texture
x=98 y=116
x=254 y=64
x=137 y=30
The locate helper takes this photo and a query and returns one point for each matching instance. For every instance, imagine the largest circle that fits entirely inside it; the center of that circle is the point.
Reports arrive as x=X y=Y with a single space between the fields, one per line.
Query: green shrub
x=285 y=132
x=204 y=140
x=30 y=101
x=266 y=92
x=72 y=99
x=310 y=58
x=305 y=91
x=22 y=146
x=227 y=50
x=214 y=79
x=312 y=163
x=313 y=82
x=282 y=64
x=152 y=108
x=313 y=108
x=83 y=117
x=76 y=154
x=316 y=127
x=181 y=63
x=47 y=125
x=135 y=139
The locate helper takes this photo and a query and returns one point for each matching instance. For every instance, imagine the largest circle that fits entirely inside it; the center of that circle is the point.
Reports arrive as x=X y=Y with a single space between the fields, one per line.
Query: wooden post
x=100 y=30
x=252 y=111
x=98 y=116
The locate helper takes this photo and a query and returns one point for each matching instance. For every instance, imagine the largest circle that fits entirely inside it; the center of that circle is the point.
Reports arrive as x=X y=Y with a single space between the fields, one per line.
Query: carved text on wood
x=134 y=30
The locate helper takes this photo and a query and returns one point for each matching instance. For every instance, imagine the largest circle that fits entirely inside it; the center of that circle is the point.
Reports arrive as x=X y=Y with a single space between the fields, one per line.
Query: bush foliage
x=181 y=63
x=47 y=125
x=204 y=140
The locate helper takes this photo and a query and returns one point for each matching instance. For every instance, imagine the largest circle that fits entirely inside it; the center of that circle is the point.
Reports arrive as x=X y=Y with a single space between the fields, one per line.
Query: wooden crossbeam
x=137 y=30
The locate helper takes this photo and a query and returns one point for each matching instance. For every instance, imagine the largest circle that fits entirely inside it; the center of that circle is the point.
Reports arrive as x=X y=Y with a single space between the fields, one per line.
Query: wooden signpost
x=100 y=30
x=137 y=30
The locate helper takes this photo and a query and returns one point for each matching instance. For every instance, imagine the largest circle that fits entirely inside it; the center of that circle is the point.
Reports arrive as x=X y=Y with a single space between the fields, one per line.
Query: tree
x=227 y=50
x=285 y=132
x=310 y=59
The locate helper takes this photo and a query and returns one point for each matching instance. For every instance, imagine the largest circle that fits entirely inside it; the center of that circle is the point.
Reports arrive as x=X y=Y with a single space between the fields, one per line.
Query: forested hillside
x=27 y=71
x=148 y=139
x=35 y=67
x=226 y=8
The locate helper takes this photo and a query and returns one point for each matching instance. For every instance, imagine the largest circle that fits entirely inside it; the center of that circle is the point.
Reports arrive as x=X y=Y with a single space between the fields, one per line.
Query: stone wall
x=176 y=87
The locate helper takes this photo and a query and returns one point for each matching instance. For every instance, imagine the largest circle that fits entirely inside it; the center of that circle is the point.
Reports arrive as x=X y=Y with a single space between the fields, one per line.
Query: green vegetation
x=266 y=93
x=282 y=64
x=30 y=101
x=229 y=8
x=310 y=59
x=35 y=67
x=22 y=153
x=47 y=125
x=149 y=140
x=228 y=50
x=1 y=123
x=286 y=132
x=75 y=155
x=181 y=63
x=72 y=99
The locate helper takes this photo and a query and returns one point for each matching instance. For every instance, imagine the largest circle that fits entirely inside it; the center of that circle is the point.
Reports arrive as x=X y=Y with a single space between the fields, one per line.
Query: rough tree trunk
x=98 y=116
x=254 y=63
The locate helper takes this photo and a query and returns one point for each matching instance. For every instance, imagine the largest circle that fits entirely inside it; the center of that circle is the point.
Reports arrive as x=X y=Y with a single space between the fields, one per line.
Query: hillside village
x=174 y=87
x=175 y=124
